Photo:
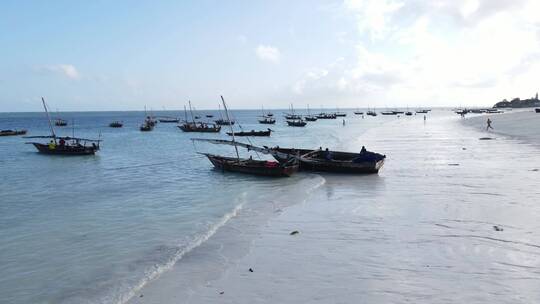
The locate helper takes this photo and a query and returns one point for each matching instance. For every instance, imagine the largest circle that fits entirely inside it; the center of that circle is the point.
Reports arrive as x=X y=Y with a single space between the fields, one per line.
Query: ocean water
x=95 y=229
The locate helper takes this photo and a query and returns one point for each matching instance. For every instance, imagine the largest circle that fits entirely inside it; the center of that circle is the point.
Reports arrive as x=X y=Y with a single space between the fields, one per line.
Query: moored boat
x=365 y=162
x=251 y=166
x=65 y=145
x=267 y=120
x=200 y=127
x=116 y=124
x=12 y=132
x=251 y=133
x=296 y=123
x=168 y=120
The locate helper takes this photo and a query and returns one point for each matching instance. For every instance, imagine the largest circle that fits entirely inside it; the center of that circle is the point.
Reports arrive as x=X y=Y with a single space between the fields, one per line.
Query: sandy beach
x=449 y=219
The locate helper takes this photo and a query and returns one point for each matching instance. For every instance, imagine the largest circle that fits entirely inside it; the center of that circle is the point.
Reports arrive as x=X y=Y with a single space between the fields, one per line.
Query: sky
x=122 y=55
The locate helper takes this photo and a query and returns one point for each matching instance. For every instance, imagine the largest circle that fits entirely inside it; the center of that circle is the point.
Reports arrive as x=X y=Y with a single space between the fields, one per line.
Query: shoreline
x=435 y=204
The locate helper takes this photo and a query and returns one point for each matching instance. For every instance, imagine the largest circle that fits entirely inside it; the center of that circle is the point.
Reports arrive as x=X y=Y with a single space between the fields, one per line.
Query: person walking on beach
x=489 y=125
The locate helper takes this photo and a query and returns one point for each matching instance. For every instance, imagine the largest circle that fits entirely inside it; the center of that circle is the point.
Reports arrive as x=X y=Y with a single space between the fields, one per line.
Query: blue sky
x=122 y=55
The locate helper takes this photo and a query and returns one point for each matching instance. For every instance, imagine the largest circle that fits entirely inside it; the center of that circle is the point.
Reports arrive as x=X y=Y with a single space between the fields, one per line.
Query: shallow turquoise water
x=93 y=229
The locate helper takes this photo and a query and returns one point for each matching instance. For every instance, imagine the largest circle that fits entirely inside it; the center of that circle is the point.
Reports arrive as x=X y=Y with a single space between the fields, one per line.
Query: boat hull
x=66 y=150
x=254 y=167
x=341 y=162
x=12 y=132
x=200 y=130
x=254 y=133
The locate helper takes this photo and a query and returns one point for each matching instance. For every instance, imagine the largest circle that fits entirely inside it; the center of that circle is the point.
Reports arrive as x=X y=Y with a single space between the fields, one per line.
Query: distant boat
x=146 y=126
x=310 y=117
x=65 y=145
x=169 y=120
x=388 y=113
x=199 y=127
x=291 y=115
x=12 y=132
x=537 y=110
x=423 y=111
x=193 y=126
x=296 y=123
x=371 y=113
x=358 y=112
x=209 y=115
x=60 y=122
x=408 y=113
x=224 y=122
x=267 y=120
x=340 y=114
x=116 y=124
x=251 y=133
x=326 y=116
x=248 y=165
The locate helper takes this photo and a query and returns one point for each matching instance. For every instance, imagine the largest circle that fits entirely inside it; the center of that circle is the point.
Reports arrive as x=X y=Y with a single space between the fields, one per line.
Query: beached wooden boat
x=251 y=166
x=296 y=123
x=365 y=162
x=12 y=132
x=247 y=165
x=116 y=124
x=251 y=133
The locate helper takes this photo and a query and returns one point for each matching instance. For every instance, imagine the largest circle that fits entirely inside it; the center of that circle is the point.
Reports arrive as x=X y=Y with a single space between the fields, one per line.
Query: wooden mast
x=230 y=125
x=49 y=119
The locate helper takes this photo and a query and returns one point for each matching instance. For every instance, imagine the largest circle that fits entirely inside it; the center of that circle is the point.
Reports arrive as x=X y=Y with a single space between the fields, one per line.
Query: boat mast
x=49 y=119
x=230 y=125
x=185 y=113
x=191 y=111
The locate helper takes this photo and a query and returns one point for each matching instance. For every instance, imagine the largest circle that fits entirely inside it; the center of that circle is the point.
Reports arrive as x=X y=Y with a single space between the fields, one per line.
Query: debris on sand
x=294 y=232
x=250 y=270
x=497 y=228
x=221 y=292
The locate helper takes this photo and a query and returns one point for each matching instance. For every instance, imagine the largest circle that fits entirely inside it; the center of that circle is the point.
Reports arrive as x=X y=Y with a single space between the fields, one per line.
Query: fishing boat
x=60 y=122
x=310 y=117
x=116 y=124
x=340 y=114
x=364 y=162
x=12 y=132
x=209 y=115
x=248 y=165
x=195 y=126
x=251 y=133
x=64 y=145
x=388 y=113
x=422 y=111
x=223 y=122
x=267 y=120
x=296 y=123
x=147 y=125
x=408 y=113
x=326 y=116
x=200 y=127
x=358 y=112
x=291 y=115
x=168 y=120
x=371 y=113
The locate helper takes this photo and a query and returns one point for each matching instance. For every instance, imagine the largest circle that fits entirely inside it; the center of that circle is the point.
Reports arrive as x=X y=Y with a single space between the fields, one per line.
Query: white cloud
x=268 y=53
x=66 y=70
x=444 y=51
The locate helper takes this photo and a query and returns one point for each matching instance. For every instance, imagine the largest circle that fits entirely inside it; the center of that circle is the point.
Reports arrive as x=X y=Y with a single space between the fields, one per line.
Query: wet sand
x=449 y=219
